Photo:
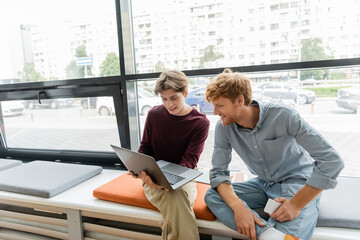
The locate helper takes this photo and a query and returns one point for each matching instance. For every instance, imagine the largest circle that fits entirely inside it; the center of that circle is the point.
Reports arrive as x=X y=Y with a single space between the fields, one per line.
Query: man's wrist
x=304 y=196
x=236 y=204
x=297 y=203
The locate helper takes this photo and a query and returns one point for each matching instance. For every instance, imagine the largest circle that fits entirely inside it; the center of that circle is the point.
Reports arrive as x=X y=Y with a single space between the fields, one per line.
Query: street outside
x=83 y=129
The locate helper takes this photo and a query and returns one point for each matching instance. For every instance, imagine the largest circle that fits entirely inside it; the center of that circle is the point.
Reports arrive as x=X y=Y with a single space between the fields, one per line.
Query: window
x=60 y=124
x=284 y=5
x=42 y=123
x=294 y=4
x=294 y=24
x=305 y=32
x=274 y=44
x=305 y=22
x=274 y=7
x=274 y=26
x=122 y=72
x=283 y=86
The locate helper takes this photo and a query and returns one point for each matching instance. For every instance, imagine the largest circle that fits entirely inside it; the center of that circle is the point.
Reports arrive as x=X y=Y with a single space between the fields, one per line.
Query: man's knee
x=175 y=199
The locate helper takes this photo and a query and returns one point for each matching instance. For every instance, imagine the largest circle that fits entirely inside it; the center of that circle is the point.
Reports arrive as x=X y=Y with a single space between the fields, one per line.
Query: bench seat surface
x=340 y=207
x=45 y=179
x=8 y=163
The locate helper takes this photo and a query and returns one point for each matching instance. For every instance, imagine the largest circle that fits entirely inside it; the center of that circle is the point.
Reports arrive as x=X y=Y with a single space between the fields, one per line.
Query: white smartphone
x=271 y=206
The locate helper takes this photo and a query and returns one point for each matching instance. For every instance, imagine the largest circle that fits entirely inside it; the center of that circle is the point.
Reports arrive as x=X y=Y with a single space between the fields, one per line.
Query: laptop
x=163 y=173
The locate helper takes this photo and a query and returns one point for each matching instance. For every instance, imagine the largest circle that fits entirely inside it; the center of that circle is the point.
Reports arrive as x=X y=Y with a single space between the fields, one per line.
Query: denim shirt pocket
x=275 y=151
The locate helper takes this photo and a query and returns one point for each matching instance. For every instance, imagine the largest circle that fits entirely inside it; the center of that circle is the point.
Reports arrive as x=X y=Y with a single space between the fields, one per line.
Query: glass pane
x=197 y=34
x=50 y=40
x=331 y=105
x=60 y=124
x=147 y=100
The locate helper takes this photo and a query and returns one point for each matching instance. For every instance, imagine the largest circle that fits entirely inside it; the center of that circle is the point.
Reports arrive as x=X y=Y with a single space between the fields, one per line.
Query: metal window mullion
x=127 y=66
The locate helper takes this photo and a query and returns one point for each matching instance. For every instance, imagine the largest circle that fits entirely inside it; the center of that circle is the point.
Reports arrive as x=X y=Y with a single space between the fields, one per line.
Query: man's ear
x=186 y=93
x=240 y=99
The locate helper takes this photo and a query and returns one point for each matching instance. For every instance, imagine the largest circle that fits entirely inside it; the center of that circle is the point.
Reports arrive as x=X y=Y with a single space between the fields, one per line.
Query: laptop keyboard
x=172 y=178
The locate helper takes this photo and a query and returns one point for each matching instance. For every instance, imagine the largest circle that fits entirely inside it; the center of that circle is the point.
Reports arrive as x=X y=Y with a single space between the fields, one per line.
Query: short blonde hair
x=172 y=79
x=231 y=85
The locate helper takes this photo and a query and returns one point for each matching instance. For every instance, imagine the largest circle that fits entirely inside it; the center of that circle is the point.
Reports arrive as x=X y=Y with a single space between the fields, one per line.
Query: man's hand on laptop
x=148 y=181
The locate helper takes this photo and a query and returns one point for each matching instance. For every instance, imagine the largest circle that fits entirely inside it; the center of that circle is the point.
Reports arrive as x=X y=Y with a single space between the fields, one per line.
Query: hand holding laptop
x=147 y=180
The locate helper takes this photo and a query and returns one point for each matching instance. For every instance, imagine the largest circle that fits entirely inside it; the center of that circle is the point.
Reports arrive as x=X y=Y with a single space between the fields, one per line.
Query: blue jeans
x=254 y=193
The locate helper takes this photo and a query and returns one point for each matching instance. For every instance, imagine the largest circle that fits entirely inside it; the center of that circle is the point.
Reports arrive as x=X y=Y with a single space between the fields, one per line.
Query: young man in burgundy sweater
x=174 y=132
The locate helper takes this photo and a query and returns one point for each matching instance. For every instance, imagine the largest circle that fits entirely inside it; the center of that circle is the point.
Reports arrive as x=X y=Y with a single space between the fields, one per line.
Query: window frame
x=109 y=86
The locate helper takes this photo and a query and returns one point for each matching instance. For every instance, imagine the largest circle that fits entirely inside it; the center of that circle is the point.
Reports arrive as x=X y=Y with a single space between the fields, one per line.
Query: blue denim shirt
x=282 y=146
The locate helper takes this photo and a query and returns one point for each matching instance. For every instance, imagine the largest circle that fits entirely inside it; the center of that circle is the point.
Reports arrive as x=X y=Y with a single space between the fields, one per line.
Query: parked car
x=349 y=98
x=147 y=100
x=310 y=82
x=283 y=91
x=12 y=108
x=105 y=106
x=196 y=99
x=88 y=101
x=50 y=103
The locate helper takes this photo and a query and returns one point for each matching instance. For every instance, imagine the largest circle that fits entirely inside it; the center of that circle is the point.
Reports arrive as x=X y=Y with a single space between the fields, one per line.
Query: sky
x=48 y=11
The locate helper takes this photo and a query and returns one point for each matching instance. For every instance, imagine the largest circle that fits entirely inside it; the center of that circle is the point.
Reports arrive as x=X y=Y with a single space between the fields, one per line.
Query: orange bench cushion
x=128 y=190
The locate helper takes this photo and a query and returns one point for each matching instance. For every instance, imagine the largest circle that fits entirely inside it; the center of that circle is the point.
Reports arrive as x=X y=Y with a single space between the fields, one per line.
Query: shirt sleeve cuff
x=216 y=181
x=319 y=181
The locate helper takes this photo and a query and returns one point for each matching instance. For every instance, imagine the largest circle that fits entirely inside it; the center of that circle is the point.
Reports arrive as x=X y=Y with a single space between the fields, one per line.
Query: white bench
x=77 y=205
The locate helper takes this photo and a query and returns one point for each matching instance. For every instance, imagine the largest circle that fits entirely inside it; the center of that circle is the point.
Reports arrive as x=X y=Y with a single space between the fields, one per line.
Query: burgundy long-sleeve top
x=176 y=139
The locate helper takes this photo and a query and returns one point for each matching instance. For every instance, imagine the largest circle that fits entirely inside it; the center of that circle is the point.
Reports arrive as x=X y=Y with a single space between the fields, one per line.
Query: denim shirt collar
x=261 y=117
x=262 y=113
